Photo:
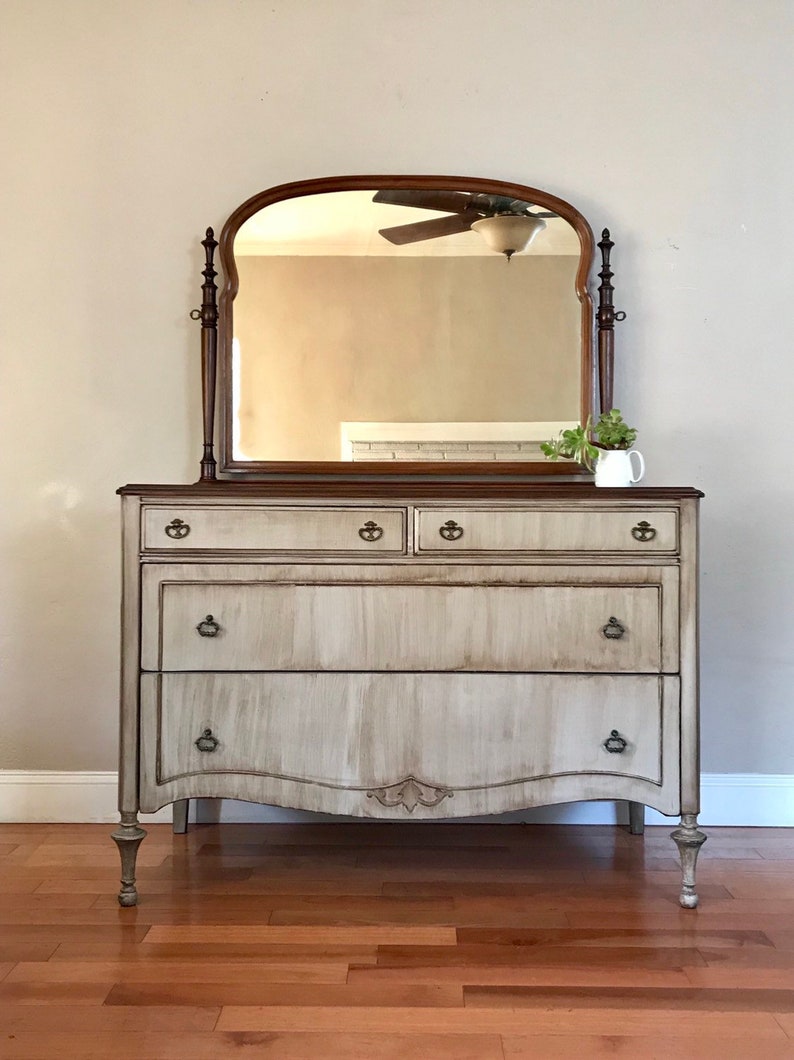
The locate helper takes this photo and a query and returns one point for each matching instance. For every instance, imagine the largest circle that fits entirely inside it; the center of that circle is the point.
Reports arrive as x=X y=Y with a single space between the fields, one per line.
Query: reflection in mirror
x=386 y=324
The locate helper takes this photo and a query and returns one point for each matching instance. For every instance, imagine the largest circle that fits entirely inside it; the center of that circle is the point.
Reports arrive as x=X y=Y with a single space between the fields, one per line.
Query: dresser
x=435 y=653
x=442 y=627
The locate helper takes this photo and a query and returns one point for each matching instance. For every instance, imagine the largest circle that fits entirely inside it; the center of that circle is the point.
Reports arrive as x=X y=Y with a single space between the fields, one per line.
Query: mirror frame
x=592 y=378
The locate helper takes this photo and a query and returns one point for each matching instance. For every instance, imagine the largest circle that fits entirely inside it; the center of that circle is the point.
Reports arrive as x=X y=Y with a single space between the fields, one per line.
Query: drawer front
x=282 y=530
x=532 y=530
x=368 y=734
x=612 y=628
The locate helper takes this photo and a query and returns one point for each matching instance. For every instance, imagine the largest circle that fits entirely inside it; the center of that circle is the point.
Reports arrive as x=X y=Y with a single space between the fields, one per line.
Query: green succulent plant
x=613 y=433
x=583 y=442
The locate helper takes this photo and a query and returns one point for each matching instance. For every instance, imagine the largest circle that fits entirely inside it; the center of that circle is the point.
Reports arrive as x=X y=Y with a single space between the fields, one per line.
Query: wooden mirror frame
x=217 y=333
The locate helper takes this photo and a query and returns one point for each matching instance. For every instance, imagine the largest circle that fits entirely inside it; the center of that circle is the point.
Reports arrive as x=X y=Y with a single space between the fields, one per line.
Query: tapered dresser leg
x=636 y=818
x=689 y=839
x=128 y=838
x=180 y=815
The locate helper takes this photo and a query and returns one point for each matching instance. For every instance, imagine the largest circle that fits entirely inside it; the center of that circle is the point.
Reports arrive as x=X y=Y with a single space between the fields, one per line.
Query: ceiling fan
x=464 y=210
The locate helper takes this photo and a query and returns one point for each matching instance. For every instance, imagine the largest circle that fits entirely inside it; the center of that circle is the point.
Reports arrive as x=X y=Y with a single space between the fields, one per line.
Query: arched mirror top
x=474 y=186
x=403 y=325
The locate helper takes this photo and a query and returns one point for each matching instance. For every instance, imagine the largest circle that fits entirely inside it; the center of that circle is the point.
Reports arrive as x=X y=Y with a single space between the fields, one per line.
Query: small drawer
x=546 y=530
x=281 y=530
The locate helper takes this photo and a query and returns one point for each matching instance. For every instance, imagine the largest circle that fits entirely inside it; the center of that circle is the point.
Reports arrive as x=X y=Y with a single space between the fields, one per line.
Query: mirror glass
x=392 y=324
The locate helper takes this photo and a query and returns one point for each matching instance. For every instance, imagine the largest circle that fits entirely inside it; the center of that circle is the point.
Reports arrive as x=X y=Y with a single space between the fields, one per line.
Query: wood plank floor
x=395 y=942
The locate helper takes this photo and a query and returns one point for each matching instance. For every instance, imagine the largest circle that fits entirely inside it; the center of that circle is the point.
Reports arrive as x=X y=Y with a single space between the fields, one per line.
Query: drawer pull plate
x=177 y=529
x=370 y=531
x=613 y=629
x=643 y=531
x=207 y=742
x=451 y=531
x=208 y=627
x=615 y=743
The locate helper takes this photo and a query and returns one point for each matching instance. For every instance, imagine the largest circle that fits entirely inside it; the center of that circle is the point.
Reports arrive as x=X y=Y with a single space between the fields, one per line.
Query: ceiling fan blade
x=445 y=201
x=488 y=205
x=432 y=229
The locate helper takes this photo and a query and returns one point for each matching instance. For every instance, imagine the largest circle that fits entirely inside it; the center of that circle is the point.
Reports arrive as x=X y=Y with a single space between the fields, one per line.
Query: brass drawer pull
x=207 y=742
x=208 y=627
x=613 y=629
x=615 y=743
x=450 y=531
x=643 y=531
x=176 y=529
x=370 y=531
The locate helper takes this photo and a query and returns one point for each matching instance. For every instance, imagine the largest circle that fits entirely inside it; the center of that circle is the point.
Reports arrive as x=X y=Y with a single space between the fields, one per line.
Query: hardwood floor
x=395 y=942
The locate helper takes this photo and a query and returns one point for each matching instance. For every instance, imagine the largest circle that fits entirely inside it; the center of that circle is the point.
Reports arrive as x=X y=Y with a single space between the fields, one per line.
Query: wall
x=330 y=339
x=128 y=128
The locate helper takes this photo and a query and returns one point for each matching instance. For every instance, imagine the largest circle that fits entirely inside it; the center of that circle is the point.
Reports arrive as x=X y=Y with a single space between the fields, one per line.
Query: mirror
x=366 y=322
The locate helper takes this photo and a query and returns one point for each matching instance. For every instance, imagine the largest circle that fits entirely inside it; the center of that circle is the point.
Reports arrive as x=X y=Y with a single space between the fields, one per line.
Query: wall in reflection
x=324 y=340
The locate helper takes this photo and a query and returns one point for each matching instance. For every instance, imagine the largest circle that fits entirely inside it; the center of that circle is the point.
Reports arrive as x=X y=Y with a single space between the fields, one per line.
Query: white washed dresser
x=435 y=622
x=411 y=656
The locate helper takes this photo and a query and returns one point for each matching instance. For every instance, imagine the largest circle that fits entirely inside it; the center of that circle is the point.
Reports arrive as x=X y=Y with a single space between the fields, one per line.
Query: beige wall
x=329 y=339
x=128 y=128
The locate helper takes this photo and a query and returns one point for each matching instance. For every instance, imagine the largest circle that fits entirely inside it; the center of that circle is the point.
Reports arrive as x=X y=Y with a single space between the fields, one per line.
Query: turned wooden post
x=208 y=315
x=606 y=317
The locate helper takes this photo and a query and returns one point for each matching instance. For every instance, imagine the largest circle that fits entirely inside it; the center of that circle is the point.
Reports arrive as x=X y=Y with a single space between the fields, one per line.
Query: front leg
x=689 y=840
x=128 y=838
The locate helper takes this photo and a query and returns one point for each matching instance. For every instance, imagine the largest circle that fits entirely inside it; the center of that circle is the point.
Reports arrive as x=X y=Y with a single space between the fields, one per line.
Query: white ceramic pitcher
x=614 y=467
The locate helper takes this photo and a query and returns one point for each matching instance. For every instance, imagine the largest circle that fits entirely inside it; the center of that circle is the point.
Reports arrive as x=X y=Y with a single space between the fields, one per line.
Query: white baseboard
x=43 y=796
x=757 y=800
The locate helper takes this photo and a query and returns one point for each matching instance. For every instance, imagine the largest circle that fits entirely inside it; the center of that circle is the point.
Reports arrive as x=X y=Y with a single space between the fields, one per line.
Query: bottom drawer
x=388 y=744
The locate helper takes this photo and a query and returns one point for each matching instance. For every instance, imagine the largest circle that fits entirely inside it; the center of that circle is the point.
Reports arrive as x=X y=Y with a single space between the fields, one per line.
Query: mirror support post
x=606 y=317
x=209 y=354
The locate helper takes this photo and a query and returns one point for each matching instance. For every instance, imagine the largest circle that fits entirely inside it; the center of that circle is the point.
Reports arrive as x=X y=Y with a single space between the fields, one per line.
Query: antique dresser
x=461 y=632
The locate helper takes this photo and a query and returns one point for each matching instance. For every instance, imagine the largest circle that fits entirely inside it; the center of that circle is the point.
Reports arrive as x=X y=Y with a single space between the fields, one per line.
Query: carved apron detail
x=410 y=793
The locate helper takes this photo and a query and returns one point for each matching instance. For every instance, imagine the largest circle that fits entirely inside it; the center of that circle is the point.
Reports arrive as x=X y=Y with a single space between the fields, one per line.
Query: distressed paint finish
x=497 y=741
x=389 y=610
x=282 y=529
x=409 y=676
x=391 y=626
x=531 y=529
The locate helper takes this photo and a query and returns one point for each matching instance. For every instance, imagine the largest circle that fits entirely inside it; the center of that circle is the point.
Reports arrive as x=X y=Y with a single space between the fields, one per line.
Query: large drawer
x=261 y=625
x=546 y=530
x=402 y=740
x=281 y=530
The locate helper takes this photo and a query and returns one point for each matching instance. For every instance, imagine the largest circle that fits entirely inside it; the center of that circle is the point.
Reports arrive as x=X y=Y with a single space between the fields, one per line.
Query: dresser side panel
x=690 y=667
x=130 y=655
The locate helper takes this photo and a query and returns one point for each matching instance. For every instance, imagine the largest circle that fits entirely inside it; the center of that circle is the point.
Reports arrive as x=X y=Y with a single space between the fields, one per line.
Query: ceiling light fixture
x=509 y=233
